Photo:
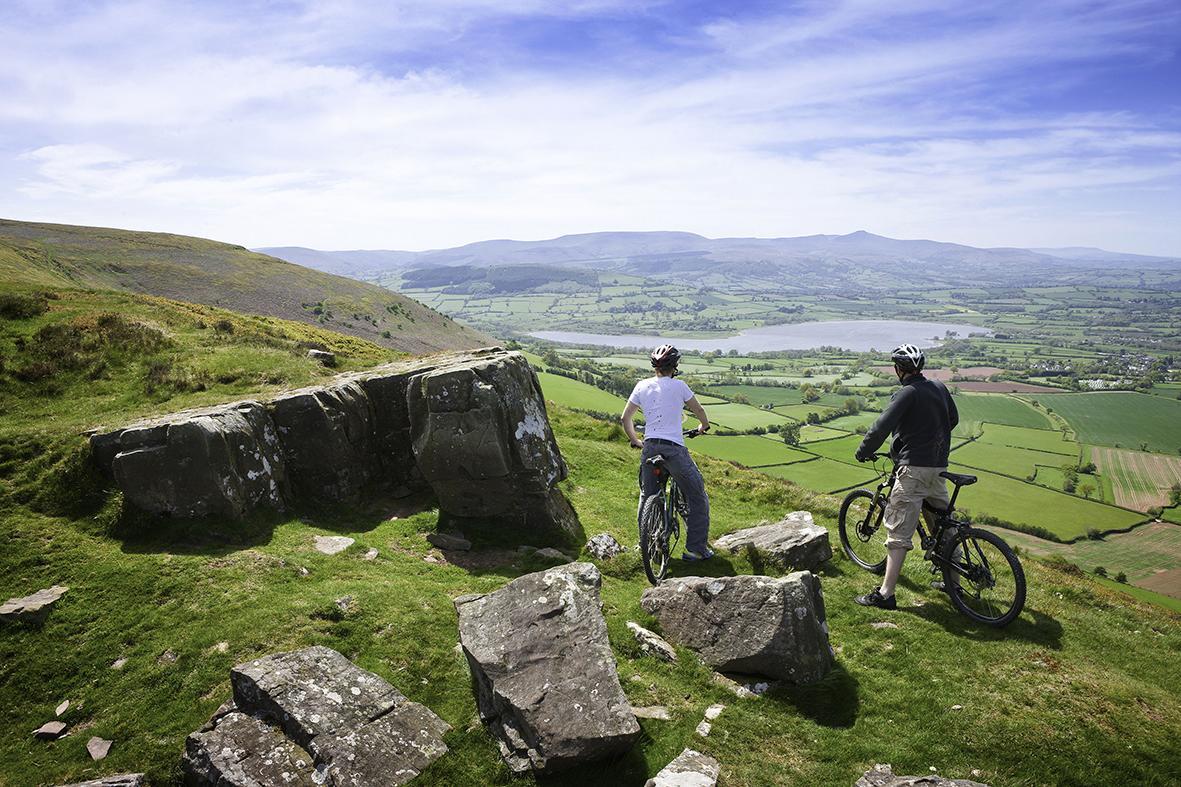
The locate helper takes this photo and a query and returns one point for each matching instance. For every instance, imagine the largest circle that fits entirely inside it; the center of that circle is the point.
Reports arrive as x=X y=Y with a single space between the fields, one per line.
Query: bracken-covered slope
x=218 y=274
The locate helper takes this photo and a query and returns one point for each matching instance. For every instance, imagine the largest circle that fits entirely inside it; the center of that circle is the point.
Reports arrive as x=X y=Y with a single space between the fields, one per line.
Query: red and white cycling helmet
x=665 y=356
x=909 y=358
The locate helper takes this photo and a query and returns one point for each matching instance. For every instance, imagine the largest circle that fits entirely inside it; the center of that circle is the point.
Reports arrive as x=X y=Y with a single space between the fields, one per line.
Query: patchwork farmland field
x=579 y=395
x=976 y=409
x=1036 y=439
x=1139 y=480
x=749 y=450
x=822 y=475
x=1008 y=460
x=758 y=394
x=799 y=412
x=1063 y=515
x=741 y=416
x=1121 y=418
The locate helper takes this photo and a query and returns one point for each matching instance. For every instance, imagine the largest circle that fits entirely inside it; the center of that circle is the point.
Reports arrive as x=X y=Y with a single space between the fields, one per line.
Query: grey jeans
x=680 y=465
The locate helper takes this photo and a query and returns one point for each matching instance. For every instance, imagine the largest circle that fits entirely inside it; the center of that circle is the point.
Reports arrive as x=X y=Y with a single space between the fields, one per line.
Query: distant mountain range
x=653 y=253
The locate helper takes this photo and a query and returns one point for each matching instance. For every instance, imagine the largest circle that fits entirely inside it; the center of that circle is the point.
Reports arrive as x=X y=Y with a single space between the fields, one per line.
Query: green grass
x=799 y=412
x=841 y=449
x=815 y=433
x=976 y=409
x=749 y=450
x=1142 y=594
x=1122 y=419
x=1007 y=460
x=849 y=423
x=741 y=416
x=1015 y=501
x=758 y=395
x=1045 y=440
x=822 y=475
x=579 y=395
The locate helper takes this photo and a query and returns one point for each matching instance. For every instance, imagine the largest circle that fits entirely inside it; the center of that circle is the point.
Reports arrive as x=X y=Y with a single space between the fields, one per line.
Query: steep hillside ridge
x=218 y=274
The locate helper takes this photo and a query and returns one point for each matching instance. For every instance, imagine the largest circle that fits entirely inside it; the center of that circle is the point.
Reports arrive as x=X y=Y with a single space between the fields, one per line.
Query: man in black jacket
x=921 y=416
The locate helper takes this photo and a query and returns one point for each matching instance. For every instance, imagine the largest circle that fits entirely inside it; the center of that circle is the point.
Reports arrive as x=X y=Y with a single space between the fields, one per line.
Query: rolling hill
x=207 y=272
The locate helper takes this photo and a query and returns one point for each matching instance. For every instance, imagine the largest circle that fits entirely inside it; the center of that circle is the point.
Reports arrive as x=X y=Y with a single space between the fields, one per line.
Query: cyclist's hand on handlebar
x=636 y=444
x=864 y=457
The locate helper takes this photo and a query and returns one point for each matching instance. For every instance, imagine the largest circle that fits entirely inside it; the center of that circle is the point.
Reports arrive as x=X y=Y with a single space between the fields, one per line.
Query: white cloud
x=278 y=133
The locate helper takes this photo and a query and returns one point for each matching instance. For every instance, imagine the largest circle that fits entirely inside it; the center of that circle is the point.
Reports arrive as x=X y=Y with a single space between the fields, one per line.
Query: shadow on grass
x=628 y=768
x=833 y=702
x=1031 y=625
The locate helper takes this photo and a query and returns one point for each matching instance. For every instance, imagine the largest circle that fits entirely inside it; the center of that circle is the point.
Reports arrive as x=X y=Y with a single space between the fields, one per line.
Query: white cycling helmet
x=909 y=358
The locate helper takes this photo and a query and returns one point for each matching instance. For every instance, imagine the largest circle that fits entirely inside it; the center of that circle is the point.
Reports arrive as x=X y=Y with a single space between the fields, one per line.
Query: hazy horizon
x=336 y=125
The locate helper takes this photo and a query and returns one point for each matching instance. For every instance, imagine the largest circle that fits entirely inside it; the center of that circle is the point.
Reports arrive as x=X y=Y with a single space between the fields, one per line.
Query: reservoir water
x=856 y=335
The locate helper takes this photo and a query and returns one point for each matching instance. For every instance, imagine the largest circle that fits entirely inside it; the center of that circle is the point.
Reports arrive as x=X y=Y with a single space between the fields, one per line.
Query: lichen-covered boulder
x=224 y=461
x=771 y=626
x=314 y=717
x=328 y=435
x=546 y=683
x=483 y=441
x=883 y=776
x=794 y=542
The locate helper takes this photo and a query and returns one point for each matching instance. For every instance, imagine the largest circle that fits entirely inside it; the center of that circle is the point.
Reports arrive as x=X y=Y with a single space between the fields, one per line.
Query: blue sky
x=431 y=123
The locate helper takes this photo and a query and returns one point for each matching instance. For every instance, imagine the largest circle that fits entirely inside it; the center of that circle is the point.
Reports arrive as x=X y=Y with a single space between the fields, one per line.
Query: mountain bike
x=661 y=514
x=981 y=574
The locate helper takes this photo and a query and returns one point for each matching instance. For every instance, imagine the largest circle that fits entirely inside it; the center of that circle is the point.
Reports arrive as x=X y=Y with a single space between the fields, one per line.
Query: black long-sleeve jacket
x=921 y=416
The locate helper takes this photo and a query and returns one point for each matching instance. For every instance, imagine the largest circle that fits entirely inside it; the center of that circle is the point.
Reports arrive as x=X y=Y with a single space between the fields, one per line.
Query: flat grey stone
x=50 y=731
x=546 y=682
x=651 y=643
x=33 y=608
x=755 y=625
x=62 y=708
x=449 y=541
x=98 y=748
x=690 y=769
x=549 y=553
x=793 y=543
x=883 y=624
x=323 y=357
x=883 y=776
x=332 y=545
x=122 y=780
x=658 y=712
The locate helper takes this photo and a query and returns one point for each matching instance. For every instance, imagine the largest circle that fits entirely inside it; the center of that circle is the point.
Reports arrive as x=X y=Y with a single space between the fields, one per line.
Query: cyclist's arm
x=699 y=411
x=953 y=415
x=629 y=426
x=884 y=425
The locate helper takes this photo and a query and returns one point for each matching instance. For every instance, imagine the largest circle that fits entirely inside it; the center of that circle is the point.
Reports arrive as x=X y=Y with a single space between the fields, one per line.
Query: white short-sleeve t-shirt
x=662 y=399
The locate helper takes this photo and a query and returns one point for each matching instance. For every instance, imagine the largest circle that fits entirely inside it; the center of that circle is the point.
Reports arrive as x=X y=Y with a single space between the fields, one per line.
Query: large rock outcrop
x=546 y=683
x=795 y=542
x=471 y=426
x=748 y=624
x=312 y=717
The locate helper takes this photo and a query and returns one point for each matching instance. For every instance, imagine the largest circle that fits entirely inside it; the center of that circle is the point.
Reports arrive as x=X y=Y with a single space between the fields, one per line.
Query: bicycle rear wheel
x=654 y=538
x=859 y=524
x=983 y=577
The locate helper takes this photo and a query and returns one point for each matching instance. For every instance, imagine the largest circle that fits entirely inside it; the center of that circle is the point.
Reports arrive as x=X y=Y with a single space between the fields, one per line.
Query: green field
x=842 y=449
x=742 y=417
x=1007 y=460
x=851 y=422
x=1037 y=439
x=977 y=409
x=1142 y=594
x=1064 y=515
x=757 y=394
x=822 y=475
x=579 y=395
x=812 y=434
x=1122 y=419
x=750 y=450
x=799 y=412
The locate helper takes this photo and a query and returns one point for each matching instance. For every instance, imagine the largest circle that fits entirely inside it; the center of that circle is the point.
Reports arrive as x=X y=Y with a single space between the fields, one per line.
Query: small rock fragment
x=883 y=776
x=689 y=769
x=34 y=608
x=222 y=647
x=122 y=780
x=449 y=541
x=713 y=711
x=652 y=712
x=733 y=686
x=651 y=643
x=65 y=706
x=167 y=657
x=119 y=663
x=703 y=729
x=98 y=748
x=371 y=554
x=957 y=707
x=323 y=357
x=883 y=624
x=331 y=545
x=549 y=553
x=50 y=731
x=604 y=546
x=432 y=559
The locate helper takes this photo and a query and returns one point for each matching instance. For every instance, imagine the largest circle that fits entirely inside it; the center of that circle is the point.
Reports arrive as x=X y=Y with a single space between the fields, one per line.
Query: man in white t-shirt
x=662 y=398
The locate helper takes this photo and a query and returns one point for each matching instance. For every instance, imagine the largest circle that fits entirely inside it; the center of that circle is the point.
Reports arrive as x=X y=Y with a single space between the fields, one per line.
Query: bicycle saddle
x=959 y=479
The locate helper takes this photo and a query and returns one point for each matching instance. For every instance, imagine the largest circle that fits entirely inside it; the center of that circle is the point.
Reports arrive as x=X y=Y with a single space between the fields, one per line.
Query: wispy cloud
x=337 y=125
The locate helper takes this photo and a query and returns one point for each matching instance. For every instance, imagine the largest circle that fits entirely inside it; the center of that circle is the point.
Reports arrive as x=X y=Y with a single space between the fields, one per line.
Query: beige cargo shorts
x=912 y=486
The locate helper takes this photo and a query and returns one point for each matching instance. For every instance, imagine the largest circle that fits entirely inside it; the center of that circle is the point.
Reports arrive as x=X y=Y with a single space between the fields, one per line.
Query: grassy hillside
x=218 y=274
x=1083 y=689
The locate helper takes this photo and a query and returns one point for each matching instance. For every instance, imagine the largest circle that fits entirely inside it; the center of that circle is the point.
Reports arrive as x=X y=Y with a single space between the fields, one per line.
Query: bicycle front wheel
x=983 y=577
x=860 y=524
x=654 y=538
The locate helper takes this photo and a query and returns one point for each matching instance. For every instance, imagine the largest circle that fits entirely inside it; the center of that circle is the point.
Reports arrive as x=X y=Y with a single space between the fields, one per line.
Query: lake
x=856 y=335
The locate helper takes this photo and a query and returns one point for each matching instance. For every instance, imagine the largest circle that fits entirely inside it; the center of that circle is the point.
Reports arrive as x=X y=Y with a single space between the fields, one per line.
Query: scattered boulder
x=313 y=717
x=658 y=712
x=34 y=608
x=689 y=769
x=757 y=625
x=604 y=546
x=222 y=461
x=98 y=748
x=122 y=780
x=883 y=776
x=448 y=541
x=651 y=643
x=332 y=545
x=371 y=554
x=50 y=731
x=546 y=683
x=549 y=553
x=323 y=357
x=62 y=708
x=795 y=542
